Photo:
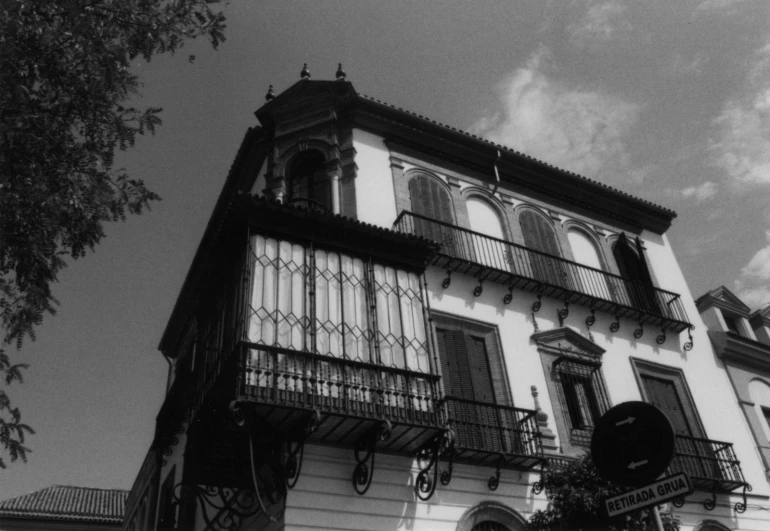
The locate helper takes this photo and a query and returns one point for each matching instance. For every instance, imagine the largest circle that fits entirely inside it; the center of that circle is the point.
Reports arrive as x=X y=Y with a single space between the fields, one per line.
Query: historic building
x=394 y=324
x=741 y=339
x=64 y=508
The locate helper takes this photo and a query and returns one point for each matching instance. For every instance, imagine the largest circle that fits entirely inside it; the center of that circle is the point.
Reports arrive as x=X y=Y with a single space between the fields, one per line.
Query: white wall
x=375 y=198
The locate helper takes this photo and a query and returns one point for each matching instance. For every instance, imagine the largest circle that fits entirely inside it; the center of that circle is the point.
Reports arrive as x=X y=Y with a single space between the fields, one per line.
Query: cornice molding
x=564 y=340
x=736 y=348
x=722 y=298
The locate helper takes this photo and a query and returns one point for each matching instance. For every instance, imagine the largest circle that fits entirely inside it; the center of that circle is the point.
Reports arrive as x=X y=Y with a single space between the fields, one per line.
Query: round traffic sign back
x=633 y=444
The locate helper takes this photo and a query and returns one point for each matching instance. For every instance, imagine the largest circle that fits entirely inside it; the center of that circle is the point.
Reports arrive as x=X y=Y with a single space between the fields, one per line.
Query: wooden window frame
x=650 y=369
x=501 y=388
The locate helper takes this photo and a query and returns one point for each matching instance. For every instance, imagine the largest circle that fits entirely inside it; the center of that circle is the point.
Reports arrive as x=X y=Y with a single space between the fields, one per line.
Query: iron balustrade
x=707 y=463
x=506 y=262
x=485 y=429
x=301 y=380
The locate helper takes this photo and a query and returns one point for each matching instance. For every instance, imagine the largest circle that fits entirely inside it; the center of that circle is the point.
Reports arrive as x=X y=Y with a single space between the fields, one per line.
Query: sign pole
x=658 y=521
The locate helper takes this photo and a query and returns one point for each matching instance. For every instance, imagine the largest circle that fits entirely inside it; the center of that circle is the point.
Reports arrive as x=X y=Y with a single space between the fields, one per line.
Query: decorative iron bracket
x=662 y=337
x=222 y=508
x=448 y=280
x=494 y=481
x=478 y=289
x=564 y=312
x=639 y=332
x=688 y=346
x=268 y=470
x=446 y=474
x=740 y=507
x=710 y=503
x=591 y=319
x=678 y=502
x=364 y=470
x=614 y=327
x=296 y=448
x=427 y=460
x=538 y=303
x=509 y=296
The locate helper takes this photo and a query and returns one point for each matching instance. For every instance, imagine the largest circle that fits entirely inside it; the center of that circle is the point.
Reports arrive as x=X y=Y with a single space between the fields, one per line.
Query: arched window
x=485 y=220
x=431 y=201
x=491 y=516
x=583 y=249
x=429 y=198
x=637 y=287
x=585 y=252
x=540 y=236
x=308 y=180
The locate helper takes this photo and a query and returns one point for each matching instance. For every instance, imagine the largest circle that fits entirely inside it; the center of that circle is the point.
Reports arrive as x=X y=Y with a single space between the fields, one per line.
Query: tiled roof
x=60 y=502
x=518 y=153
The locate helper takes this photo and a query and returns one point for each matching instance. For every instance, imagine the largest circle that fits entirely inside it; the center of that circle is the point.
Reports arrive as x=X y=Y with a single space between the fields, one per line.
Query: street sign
x=656 y=493
x=633 y=443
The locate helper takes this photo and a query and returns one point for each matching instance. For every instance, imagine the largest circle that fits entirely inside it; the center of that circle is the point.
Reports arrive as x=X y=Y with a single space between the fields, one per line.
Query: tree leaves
x=576 y=495
x=63 y=114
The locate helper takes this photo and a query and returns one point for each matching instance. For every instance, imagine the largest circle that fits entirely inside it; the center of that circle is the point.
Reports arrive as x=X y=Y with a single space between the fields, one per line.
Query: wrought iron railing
x=494 y=254
x=707 y=462
x=302 y=380
x=492 y=428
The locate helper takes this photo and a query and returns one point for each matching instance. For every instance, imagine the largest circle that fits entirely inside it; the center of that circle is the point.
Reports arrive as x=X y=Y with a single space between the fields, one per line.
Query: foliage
x=64 y=111
x=576 y=494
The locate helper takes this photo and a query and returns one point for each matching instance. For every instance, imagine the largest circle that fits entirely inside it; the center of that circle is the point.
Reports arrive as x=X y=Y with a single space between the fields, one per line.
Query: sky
x=668 y=101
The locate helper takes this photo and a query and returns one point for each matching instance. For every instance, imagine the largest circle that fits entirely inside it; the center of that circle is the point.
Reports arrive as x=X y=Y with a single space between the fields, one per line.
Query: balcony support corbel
x=509 y=296
x=591 y=319
x=678 y=502
x=427 y=460
x=295 y=450
x=639 y=332
x=222 y=508
x=448 y=280
x=740 y=507
x=688 y=346
x=710 y=503
x=494 y=481
x=539 y=302
x=662 y=337
x=364 y=470
x=446 y=474
x=614 y=327
x=478 y=289
x=564 y=312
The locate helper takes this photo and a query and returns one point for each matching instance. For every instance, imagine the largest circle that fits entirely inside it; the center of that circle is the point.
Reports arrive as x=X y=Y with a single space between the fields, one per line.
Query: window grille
x=337 y=306
x=583 y=392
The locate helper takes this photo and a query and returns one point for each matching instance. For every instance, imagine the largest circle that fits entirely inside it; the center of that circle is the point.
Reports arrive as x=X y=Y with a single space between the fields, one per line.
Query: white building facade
x=392 y=324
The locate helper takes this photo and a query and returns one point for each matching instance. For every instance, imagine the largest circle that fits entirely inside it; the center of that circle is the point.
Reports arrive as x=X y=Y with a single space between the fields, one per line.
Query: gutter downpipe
x=497 y=173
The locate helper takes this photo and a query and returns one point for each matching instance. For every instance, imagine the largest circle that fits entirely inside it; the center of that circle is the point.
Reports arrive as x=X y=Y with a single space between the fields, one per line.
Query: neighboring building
x=742 y=340
x=393 y=324
x=64 y=508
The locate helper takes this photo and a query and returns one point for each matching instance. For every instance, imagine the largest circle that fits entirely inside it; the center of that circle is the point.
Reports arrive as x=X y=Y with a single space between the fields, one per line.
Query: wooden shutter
x=457 y=378
x=430 y=199
x=481 y=378
x=538 y=234
x=663 y=395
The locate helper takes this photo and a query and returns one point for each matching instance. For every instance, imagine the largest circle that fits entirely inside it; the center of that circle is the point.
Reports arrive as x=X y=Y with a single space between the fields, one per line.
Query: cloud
x=754 y=283
x=741 y=145
x=700 y=193
x=602 y=22
x=579 y=130
x=717 y=4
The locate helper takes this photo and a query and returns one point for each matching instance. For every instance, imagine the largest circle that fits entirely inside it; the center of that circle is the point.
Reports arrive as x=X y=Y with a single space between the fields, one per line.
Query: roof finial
x=305 y=74
x=270 y=94
x=341 y=75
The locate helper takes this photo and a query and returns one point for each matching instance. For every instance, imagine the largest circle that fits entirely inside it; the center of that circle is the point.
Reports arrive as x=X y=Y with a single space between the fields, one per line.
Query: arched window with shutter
x=637 y=283
x=432 y=203
x=540 y=237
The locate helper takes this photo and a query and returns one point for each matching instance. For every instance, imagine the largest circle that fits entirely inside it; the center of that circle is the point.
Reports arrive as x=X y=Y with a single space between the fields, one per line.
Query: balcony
x=286 y=388
x=711 y=465
x=494 y=260
x=495 y=435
